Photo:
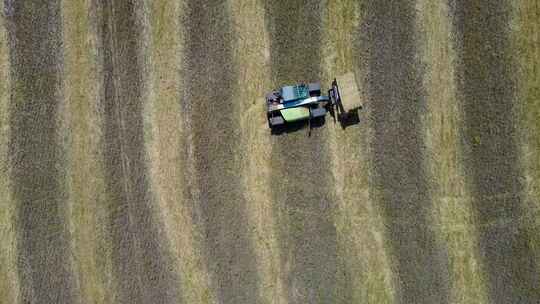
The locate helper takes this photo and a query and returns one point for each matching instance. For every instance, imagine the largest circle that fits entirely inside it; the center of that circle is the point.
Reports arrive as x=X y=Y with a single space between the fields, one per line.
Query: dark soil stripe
x=141 y=263
x=35 y=42
x=209 y=81
x=302 y=182
x=388 y=48
x=490 y=138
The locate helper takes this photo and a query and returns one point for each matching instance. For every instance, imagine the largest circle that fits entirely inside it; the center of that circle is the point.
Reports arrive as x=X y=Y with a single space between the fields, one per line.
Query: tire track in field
x=208 y=101
x=302 y=186
x=387 y=40
x=35 y=43
x=485 y=82
x=141 y=262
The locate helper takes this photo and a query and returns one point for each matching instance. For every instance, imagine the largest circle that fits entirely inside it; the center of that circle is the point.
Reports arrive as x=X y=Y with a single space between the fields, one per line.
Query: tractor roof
x=292 y=93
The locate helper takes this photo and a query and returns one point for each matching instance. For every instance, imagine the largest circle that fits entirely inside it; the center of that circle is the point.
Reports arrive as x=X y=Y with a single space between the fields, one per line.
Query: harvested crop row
x=303 y=191
x=81 y=129
x=167 y=130
x=217 y=154
x=398 y=178
x=526 y=36
x=9 y=281
x=363 y=274
x=142 y=265
x=36 y=157
x=487 y=86
x=251 y=57
x=454 y=219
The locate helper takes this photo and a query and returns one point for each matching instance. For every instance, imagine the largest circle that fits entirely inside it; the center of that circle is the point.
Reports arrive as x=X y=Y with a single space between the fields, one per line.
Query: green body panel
x=294 y=114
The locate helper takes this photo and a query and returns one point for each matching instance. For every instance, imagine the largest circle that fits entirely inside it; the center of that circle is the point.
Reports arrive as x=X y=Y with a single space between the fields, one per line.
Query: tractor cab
x=293 y=93
x=301 y=102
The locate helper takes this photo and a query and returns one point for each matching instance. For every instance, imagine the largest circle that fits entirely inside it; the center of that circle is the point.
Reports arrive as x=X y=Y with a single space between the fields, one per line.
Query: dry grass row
x=526 y=38
x=452 y=212
x=364 y=271
x=81 y=127
x=9 y=282
x=251 y=56
x=167 y=141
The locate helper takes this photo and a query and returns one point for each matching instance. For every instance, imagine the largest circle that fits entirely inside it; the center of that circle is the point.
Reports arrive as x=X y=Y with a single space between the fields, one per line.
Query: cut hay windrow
x=486 y=84
x=398 y=178
x=142 y=264
x=167 y=136
x=364 y=270
x=251 y=57
x=9 y=280
x=218 y=157
x=454 y=221
x=81 y=131
x=526 y=38
x=303 y=191
x=37 y=160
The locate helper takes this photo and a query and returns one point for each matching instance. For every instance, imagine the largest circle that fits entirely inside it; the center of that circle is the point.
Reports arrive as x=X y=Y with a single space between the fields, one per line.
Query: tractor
x=304 y=102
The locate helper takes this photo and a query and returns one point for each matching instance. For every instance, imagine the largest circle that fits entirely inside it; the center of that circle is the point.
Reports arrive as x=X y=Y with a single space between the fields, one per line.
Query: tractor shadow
x=299 y=125
x=347 y=119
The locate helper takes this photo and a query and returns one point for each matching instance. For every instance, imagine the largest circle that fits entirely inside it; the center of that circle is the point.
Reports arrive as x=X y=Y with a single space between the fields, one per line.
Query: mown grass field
x=136 y=165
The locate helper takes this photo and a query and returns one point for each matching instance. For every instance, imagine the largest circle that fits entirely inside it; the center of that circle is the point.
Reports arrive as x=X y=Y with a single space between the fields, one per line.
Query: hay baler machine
x=304 y=102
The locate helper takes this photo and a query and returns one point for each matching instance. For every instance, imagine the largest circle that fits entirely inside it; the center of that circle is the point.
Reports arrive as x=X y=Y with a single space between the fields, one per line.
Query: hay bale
x=350 y=93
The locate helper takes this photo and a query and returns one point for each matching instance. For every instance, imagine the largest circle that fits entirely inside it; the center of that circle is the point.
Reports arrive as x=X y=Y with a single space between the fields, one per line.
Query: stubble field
x=136 y=165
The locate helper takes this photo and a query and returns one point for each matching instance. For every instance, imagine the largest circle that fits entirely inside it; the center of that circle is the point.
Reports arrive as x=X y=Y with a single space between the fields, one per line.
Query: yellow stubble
x=525 y=30
x=81 y=136
x=251 y=49
x=452 y=213
x=359 y=223
x=167 y=136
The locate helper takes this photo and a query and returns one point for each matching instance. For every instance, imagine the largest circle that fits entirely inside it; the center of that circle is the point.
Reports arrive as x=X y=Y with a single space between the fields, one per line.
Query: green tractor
x=304 y=102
